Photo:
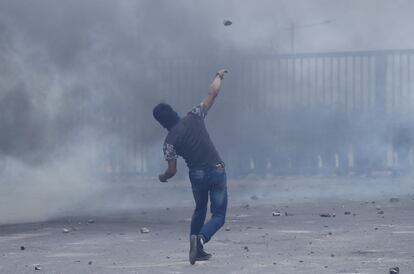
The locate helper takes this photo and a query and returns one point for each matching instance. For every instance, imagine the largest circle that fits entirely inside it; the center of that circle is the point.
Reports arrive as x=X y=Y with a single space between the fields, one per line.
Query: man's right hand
x=221 y=73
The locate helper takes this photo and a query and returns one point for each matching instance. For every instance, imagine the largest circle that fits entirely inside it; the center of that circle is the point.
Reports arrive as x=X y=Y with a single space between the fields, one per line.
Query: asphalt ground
x=365 y=232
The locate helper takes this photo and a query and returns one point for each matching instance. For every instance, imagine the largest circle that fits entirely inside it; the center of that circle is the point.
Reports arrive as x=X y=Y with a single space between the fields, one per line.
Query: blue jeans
x=205 y=182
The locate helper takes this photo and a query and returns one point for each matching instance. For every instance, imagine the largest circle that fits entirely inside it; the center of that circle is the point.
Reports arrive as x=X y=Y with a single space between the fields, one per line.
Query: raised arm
x=214 y=89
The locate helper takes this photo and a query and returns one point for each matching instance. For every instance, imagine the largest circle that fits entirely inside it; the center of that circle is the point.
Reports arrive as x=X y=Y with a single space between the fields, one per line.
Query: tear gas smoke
x=78 y=80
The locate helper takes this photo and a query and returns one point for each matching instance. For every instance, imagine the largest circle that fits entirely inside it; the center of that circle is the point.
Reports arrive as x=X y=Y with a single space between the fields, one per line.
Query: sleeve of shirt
x=199 y=110
x=169 y=152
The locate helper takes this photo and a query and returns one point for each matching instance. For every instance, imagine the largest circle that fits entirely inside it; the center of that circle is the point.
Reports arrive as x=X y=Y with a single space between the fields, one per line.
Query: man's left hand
x=162 y=178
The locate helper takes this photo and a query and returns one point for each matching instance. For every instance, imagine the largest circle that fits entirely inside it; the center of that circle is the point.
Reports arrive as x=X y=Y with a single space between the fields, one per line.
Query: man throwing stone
x=188 y=137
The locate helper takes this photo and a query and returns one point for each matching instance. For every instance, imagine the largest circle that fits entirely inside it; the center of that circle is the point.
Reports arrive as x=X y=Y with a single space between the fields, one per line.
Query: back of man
x=188 y=138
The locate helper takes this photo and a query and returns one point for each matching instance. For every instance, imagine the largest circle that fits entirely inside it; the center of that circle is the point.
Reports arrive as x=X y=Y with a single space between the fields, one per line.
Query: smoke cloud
x=78 y=81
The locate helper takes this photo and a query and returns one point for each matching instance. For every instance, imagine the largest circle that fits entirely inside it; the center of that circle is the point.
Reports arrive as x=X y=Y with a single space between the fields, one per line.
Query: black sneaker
x=395 y=270
x=202 y=255
x=193 y=248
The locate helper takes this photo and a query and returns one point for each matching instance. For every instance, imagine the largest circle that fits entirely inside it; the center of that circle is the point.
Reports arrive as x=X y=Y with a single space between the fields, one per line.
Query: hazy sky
x=183 y=26
x=357 y=25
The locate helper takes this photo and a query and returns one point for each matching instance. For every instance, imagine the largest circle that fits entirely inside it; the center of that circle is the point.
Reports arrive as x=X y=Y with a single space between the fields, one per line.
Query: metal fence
x=343 y=112
x=304 y=113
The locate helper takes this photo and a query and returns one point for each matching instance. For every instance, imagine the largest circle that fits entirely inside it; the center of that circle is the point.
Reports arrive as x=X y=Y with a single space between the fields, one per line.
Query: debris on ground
x=228 y=228
x=380 y=212
x=276 y=213
x=347 y=213
x=394 y=200
x=378 y=207
x=22 y=248
x=327 y=215
x=65 y=230
x=227 y=22
x=38 y=267
x=144 y=230
x=90 y=262
x=395 y=270
x=246 y=248
x=91 y=221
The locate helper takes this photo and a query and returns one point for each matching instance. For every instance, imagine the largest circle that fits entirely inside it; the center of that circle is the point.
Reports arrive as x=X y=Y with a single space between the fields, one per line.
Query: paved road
x=376 y=234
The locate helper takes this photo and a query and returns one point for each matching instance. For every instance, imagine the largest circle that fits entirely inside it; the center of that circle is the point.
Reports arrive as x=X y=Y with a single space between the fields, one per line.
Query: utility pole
x=292 y=37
